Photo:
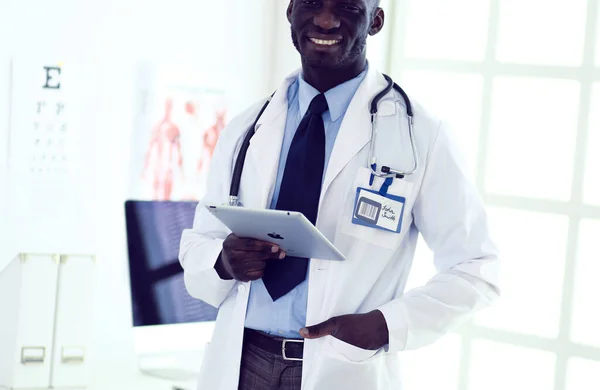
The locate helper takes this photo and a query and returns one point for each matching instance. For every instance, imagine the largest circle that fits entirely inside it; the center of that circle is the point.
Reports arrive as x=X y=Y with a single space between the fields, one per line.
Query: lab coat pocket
x=331 y=369
x=351 y=352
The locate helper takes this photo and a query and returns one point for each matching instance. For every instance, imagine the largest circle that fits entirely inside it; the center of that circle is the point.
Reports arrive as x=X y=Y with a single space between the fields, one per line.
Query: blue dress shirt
x=287 y=315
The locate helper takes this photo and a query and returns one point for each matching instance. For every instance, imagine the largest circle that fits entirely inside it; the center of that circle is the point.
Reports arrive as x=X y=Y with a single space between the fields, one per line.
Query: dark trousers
x=262 y=370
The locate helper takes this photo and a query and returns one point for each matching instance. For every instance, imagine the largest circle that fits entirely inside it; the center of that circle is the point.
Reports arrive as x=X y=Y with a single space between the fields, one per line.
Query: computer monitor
x=171 y=328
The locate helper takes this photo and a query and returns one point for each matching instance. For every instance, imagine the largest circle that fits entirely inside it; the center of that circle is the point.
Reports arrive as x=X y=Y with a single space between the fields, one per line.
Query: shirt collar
x=338 y=98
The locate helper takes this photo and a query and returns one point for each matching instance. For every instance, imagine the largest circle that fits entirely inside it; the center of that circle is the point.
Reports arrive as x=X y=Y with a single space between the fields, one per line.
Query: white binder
x=70 y=357
x=46 y=317
x=27 y=303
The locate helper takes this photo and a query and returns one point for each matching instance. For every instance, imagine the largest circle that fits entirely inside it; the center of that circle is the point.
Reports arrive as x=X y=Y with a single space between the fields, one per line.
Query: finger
x=258 y=265
x=247 y=257
x=320 y=330
x=252 y=245
x=230 y=240
x=255 y=275
x=243 y=257
x=253 y=269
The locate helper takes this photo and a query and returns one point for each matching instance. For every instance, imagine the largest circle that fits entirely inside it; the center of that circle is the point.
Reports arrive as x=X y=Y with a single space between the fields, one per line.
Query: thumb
x=320 y=330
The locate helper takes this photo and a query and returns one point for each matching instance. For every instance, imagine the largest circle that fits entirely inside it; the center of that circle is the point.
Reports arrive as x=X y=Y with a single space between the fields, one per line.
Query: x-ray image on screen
x=158 y=293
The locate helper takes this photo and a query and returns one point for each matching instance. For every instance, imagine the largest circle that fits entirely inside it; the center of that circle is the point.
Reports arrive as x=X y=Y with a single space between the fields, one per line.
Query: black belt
x=289 y=349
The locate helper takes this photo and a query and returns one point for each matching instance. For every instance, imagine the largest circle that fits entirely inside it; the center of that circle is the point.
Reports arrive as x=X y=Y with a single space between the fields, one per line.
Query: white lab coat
x=441 y=203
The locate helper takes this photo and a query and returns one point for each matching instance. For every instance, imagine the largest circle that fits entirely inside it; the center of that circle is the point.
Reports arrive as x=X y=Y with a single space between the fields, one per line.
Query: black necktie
x=300 y=191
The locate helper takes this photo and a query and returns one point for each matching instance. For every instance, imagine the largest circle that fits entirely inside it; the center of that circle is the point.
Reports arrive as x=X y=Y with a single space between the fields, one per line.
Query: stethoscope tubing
x=239 y=163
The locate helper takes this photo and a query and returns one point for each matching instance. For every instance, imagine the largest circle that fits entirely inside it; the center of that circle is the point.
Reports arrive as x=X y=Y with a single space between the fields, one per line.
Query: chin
x=322 y=59
x=322 y=62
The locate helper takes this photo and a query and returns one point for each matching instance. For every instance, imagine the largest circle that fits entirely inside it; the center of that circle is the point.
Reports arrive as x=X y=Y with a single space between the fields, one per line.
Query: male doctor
x=313 y=324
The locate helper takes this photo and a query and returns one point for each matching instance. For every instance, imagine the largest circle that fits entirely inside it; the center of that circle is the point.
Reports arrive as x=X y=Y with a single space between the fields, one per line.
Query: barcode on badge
x=368 y=210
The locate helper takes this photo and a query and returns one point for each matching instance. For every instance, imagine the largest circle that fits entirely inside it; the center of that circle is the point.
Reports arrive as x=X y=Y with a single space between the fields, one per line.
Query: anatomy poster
x=44 y=118
x=180 y=112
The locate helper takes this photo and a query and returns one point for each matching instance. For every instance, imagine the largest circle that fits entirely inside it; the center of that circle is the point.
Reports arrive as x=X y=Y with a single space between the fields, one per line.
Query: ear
x=378 y=21
x=289 y=11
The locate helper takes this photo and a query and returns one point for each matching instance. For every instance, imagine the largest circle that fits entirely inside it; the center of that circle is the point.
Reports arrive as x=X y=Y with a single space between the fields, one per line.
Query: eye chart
x=43 y=105
x=52 y=153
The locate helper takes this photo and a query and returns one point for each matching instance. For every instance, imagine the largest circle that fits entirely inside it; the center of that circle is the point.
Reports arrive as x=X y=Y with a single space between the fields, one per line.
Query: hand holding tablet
x=245 y=259
x=290 y=231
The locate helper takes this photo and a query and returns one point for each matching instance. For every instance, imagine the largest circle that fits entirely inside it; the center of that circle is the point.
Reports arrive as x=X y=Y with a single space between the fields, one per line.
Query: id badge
x=379 y=212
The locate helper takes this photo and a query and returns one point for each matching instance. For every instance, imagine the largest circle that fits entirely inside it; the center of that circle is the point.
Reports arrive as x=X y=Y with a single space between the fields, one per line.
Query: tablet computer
x=291 y=231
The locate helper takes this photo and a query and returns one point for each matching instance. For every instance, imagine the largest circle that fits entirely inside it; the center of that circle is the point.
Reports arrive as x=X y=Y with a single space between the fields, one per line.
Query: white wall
x=110 y=36
x=251 y=39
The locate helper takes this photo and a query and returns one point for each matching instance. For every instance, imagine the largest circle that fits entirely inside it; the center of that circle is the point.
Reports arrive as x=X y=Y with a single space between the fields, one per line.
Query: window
x=497 y=366
x=531 y=138
x=582 y=374
x=538 y=242
x=585 y=322
x=545 y=32
x=591 y=193
x=441 y=29
x=519 y=83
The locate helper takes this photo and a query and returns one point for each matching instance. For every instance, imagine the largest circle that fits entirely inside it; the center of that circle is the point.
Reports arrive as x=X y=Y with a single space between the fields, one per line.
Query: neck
x=323 y=79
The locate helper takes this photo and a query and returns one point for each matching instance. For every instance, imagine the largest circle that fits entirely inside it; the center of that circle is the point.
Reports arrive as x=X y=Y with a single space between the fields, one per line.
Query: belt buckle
x=285 y=341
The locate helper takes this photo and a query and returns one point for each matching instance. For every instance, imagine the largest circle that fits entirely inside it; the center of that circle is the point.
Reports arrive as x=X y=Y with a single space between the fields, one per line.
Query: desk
x=142 y=382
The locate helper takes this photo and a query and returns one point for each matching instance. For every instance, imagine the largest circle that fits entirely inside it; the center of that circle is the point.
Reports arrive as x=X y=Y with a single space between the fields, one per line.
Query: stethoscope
x=387 y=172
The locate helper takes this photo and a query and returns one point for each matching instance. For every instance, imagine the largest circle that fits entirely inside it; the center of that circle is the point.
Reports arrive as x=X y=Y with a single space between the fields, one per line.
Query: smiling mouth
x=325 y=42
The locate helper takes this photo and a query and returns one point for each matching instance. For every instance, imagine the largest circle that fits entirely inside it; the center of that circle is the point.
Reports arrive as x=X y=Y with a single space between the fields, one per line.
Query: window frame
x=575 y=209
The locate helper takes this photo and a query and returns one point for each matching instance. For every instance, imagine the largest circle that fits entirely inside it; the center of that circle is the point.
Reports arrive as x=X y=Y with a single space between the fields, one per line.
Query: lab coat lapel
x=265 y=146
x=355 y=131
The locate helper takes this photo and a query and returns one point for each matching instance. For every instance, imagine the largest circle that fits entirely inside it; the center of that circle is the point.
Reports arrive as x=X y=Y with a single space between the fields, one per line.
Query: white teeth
x=325 y=42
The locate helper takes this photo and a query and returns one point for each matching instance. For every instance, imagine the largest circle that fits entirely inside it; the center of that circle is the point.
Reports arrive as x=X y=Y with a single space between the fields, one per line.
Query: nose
x=326 y=19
